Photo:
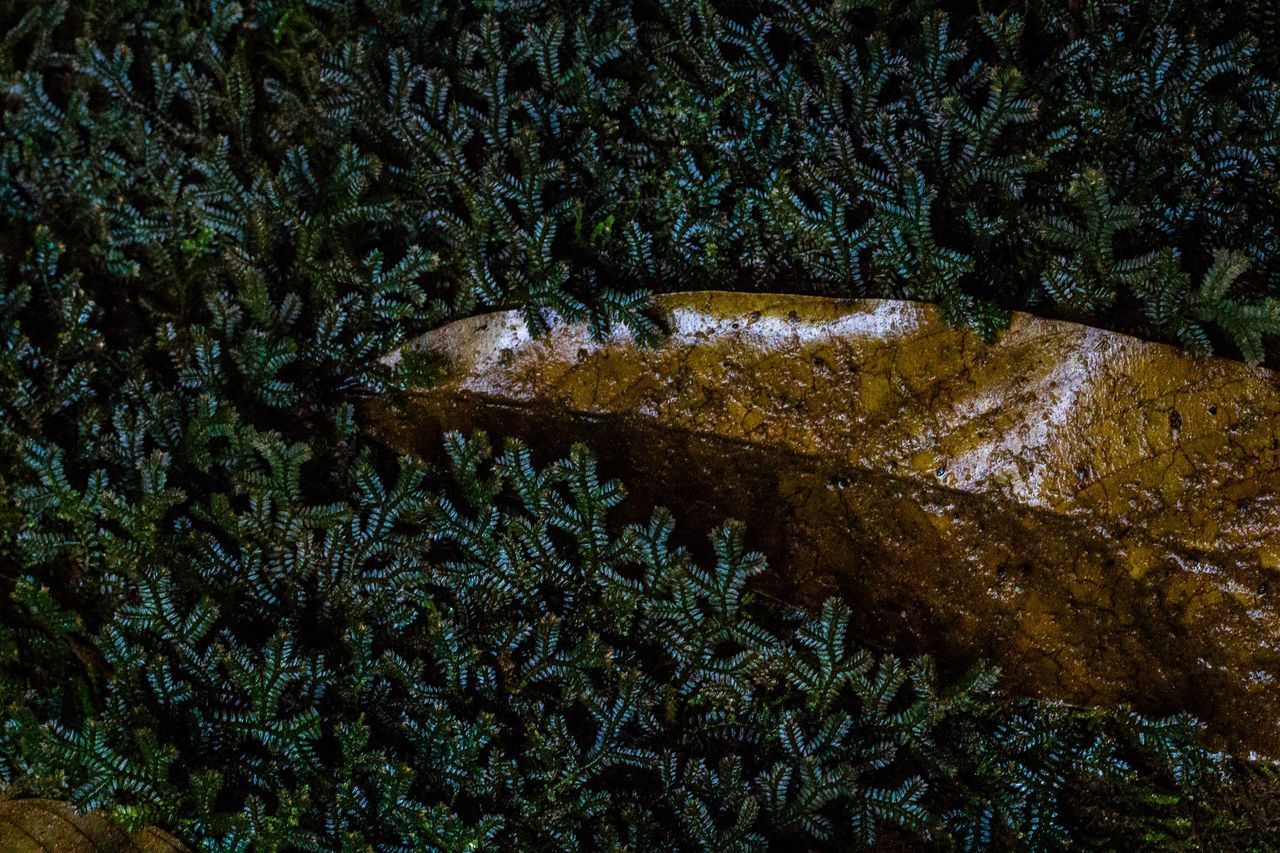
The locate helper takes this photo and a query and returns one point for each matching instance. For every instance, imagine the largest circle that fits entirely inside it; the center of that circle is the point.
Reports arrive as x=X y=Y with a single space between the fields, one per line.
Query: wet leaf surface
x=51 y=826
x=1098 y=515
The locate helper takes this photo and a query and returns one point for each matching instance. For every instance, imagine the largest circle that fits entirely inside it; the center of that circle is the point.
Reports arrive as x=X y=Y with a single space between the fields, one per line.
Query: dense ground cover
x=224 y=609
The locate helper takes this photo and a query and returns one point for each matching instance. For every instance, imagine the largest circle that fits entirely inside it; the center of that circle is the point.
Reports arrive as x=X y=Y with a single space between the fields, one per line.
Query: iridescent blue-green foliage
x=224 y=610
x=1087 y=159
x=489 y=666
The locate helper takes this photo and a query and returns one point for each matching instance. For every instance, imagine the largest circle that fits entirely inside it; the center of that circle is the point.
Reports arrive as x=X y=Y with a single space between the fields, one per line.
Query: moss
x=216 y=218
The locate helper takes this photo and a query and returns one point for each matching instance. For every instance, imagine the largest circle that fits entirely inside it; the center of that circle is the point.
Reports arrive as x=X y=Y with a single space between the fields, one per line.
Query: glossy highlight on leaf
x=1094 y=513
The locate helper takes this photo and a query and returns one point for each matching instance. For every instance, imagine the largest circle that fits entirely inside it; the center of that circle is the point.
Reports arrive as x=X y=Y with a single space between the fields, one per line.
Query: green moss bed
x=226 y=611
